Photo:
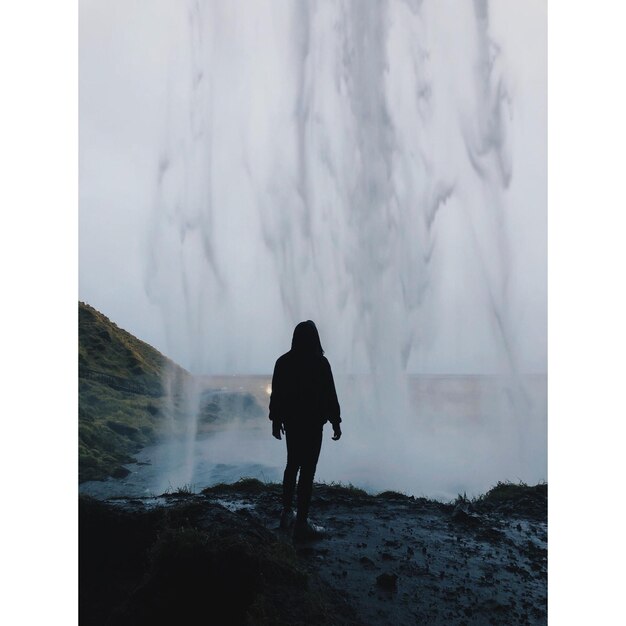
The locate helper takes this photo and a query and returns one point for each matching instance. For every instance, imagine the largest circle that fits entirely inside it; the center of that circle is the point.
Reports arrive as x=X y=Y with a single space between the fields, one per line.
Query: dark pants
x=303 y=451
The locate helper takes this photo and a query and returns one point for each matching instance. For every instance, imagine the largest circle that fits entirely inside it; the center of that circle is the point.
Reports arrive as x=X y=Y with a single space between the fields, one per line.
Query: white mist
x=378 y=167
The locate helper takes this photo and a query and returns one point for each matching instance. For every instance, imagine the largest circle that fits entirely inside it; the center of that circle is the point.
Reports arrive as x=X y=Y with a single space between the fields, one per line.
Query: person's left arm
x=334 y=410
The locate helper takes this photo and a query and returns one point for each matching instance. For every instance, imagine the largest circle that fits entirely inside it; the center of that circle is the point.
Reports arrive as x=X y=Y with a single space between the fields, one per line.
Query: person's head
x=306 y=339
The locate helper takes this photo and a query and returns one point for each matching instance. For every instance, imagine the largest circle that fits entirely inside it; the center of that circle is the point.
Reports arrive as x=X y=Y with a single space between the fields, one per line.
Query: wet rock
x=464 y=518
x=491 y=534
x=389 y=582
x=367 y=563
x=120 y=472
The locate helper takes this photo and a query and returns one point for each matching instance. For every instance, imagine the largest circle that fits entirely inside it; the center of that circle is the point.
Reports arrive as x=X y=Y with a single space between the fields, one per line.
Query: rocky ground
x=387 y=559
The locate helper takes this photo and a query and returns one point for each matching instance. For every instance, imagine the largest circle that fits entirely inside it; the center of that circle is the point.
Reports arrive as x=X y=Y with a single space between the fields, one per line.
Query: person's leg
x=310 y=454
x=294 y=453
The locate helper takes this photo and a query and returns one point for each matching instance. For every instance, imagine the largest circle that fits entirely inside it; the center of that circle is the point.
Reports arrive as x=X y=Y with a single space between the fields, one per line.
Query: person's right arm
x=276 y=395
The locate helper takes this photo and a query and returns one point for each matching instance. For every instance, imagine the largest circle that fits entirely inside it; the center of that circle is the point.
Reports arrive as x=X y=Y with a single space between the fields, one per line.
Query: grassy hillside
x=120 y=395
x=121 y=404
x=104 y=346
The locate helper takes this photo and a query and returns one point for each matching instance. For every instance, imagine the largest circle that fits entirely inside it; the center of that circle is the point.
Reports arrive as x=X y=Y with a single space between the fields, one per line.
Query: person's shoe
x=308 y=532
x=287 y=519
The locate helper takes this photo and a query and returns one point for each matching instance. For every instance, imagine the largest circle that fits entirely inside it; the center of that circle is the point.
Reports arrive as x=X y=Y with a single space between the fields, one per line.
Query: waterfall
x=354 y=163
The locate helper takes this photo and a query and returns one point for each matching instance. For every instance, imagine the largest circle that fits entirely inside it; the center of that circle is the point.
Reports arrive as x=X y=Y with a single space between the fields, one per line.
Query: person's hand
x=277 y=428
x=336 y=432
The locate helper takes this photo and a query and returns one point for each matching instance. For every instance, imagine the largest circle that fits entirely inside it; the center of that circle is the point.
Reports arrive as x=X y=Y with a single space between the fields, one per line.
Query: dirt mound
x=189 y=562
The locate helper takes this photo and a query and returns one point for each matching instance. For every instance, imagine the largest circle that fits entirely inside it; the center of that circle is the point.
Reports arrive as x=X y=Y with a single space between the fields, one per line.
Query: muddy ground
x=386 y=559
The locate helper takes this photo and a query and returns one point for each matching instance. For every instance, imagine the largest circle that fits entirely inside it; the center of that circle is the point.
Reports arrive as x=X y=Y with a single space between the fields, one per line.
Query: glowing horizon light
x=268 y=390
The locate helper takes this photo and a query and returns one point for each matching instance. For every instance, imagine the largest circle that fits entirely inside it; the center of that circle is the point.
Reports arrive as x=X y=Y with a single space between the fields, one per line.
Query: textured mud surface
x=399 y=560
x=390 y=559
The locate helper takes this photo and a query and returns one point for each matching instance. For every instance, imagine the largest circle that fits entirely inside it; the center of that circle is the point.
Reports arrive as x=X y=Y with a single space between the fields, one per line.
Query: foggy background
x=378 y=167
x=265 y=206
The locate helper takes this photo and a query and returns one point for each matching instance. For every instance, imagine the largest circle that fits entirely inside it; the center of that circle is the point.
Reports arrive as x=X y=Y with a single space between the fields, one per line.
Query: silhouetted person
x=303 y=399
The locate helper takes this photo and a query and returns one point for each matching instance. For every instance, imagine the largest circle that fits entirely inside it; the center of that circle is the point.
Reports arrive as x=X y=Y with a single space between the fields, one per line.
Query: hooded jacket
x=303 y=391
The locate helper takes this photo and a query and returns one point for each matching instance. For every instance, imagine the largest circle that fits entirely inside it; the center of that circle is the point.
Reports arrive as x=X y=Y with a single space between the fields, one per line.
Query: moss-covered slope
x=105 y=347
x=120 y=399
